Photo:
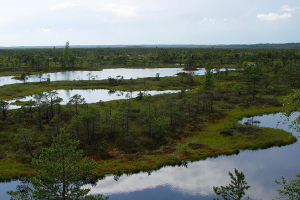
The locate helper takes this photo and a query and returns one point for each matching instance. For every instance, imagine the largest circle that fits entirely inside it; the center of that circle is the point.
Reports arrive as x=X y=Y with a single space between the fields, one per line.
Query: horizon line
x=125 y=45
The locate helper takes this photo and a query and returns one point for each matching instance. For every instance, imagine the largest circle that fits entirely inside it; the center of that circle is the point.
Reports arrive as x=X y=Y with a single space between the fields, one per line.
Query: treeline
x=132 y=125
x=146 y=122
x=88 y=58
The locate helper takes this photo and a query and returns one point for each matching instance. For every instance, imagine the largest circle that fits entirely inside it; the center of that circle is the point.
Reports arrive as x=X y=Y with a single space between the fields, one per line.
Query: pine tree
x=61 y=172
x=236 y=189
x=291 y=188
x=208 y=87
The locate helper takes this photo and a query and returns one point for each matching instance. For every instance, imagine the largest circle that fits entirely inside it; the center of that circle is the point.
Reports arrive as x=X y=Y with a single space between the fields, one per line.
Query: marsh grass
x=198 y=140
x=216 y=143
x=141 y=84
x=12 y=169
x=213 y=144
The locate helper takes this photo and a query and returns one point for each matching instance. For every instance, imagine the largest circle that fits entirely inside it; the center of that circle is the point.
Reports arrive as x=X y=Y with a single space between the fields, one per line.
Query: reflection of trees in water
x=252 y=122
x=183 y=163
x=24 y=189
x=110 y=92
x=120 y=93
x=116 y=177
x=117 y=92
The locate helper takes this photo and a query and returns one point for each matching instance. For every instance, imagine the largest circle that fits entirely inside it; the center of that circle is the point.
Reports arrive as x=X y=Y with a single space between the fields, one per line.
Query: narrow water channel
x=94 y=95
x=196 y=180
x=126 y=73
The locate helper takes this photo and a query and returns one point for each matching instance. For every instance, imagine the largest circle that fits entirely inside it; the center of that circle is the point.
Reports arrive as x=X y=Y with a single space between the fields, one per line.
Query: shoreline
x=180 y=153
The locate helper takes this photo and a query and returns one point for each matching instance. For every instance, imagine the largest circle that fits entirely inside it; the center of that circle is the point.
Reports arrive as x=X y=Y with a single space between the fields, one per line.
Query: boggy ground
x=203 y=138
x=207 y=134
x=201 y=144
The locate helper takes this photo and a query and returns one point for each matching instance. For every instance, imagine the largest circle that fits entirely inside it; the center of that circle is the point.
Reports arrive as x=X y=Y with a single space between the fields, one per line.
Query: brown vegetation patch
x=195 y=145
x=248 y=130
x=216 y=115
x=266 y=101
x=241 y=131
x=226 y=132
x=169 y=150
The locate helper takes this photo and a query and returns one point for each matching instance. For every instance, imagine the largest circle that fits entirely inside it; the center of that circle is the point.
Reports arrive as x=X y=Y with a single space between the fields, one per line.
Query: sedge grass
x=217 y=143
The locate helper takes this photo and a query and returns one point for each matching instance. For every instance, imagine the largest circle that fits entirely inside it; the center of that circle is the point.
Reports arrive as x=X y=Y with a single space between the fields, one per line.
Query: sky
x=136 y=22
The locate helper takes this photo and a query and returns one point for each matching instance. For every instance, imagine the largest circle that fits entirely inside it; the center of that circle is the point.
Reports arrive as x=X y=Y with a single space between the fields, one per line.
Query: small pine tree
x=61 y=172
x=291 y=188
x=208 y=87
x=236 y=189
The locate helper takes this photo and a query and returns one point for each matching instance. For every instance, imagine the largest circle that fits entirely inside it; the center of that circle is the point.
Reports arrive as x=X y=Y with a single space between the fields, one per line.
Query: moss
x=210 y=137
x=200 y=139
x=12 y=169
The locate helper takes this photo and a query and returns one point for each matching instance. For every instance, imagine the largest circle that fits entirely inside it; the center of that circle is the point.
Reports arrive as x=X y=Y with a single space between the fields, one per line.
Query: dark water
x=261 y=168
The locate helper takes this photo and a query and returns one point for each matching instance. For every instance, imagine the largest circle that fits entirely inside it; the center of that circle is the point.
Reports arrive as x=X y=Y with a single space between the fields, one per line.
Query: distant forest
x=223 y=46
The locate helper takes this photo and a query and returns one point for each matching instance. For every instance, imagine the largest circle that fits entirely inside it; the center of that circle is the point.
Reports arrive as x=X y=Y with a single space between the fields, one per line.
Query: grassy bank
x=202 y=144
x=195 y=136
x=142 y=84
x=199 y=144
x=14 y=169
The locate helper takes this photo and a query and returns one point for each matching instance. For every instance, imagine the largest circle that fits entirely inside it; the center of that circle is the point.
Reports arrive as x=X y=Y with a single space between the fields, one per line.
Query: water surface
x=261 y=168
x=94 y=95
x=127 y=73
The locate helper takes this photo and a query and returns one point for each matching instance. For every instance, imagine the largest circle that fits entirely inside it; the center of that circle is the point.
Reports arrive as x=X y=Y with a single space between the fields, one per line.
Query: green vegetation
x=61 y=173
x=291 y=188
x=236 y=189
x=147 y=132
x=292 y=104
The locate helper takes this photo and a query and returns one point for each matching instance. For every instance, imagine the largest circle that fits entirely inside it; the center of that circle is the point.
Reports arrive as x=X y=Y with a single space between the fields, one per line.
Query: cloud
x=273 y=16
x=62 y=6
x=285 y=16
x=46 y=30
x=287 y=8
x=120 y=10
x=211 y=20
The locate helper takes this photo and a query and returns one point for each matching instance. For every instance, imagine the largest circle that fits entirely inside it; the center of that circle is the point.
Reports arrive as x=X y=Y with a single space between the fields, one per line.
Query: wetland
x=190 y=118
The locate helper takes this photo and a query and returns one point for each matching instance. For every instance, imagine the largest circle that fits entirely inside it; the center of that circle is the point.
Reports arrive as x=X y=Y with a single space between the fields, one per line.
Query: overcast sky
x=120 y=22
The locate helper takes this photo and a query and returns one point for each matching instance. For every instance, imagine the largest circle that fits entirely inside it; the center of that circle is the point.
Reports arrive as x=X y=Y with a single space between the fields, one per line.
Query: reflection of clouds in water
x=198 y=179
x=93 y=96
x=127 y=73
x=261 y=168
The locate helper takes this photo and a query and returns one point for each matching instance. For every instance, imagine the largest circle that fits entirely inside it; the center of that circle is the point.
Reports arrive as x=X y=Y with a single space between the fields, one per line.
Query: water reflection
x=95 y=95
x=261 y=168
x=6 y=186
x=101 y=75
x=196 y=180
